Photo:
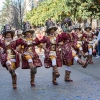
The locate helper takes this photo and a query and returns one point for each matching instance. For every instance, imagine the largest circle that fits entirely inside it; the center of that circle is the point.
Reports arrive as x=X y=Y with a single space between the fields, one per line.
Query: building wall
x=30 y=4
x=98 y=23
x=95 y=23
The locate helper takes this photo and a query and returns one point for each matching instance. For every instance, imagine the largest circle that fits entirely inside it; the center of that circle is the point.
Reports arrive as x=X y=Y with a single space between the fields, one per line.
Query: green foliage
x=10 y=13
x=59 y=9
x=46 y=10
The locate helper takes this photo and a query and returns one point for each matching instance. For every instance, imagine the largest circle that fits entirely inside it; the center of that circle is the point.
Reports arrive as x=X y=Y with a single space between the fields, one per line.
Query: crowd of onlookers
x=96 y=37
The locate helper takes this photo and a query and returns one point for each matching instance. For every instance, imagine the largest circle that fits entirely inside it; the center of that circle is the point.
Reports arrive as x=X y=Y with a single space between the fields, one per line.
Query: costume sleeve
x=36 y=41
x=1 y=43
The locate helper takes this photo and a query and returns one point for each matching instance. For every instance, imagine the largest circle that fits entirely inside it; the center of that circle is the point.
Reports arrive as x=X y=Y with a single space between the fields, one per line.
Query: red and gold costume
x=68 y=54
x=9 y=55
x=77 y=40
x=30 y=59
x=88 y=44
x=52 y=55
x=29 y=54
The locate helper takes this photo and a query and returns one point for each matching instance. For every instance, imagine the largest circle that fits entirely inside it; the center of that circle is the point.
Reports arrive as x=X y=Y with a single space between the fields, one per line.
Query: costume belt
x=52 y=54
x=79 y=42
x=11 y=56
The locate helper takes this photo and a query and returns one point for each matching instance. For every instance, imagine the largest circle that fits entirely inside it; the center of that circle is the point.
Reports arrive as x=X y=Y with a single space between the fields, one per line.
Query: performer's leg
x=12 y=72
x=32 y=67
x=33 y=71
x=55 y=73
x=80 y=50
x=32 y=77
x=90 y=56
x=67 y=74
x=79 y=56
x=81 y=62
x=14 y=81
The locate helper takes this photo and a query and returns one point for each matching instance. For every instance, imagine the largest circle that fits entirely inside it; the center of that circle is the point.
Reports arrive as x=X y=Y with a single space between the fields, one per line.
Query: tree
x=12 y=13
x=60 y=9
x=46 y=10
x=93 y=9
x=4 y=16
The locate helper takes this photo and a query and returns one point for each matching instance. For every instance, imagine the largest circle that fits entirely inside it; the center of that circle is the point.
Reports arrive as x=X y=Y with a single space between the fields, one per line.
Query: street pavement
x=85 y=85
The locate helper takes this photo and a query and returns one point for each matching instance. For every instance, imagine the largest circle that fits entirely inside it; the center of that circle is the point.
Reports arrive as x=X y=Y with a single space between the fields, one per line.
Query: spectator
x=98 y=40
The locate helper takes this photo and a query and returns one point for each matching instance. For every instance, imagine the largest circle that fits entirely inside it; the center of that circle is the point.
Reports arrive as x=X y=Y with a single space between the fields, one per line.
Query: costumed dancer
x=96 y=40
x=19 y=34
x=9 y=55
x=30 y=59
x=87 y=42
x=1 y=37
x=69 y=54
x=77 y=40
x=52 y=57
x=19 y=48
x=39 y=35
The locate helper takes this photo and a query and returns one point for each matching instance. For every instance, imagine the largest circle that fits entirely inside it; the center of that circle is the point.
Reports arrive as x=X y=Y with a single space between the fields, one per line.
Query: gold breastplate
x=29 y=41
x=53 y=43
x=29 y=49
x=10 y=53
x=52 y=39
x=53 y=47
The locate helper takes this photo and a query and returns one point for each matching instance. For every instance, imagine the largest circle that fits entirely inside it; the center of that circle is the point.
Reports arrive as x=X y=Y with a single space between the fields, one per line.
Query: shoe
x=98 y=57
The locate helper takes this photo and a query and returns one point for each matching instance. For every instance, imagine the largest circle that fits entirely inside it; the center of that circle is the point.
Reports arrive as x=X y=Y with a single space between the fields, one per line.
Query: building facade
x=30 y=4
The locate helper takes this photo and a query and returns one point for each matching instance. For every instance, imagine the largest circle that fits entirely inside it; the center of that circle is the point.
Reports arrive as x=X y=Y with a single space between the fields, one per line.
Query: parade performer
x=1 y=38
x=9 y=55
x=19 y=34
x=96 y=45
x=52 y=56
x=39 y=34
x=77 y=40
x=30 y=59
x=87 y=42
x=69 y=54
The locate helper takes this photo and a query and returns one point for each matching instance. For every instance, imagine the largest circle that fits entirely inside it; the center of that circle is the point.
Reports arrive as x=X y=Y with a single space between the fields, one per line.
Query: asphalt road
x=85 y=85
